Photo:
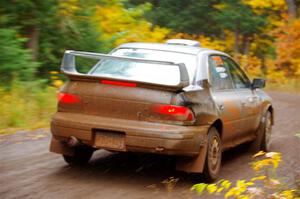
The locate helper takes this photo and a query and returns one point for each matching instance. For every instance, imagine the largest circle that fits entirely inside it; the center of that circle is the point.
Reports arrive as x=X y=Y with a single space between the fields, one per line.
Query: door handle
x=252 y=99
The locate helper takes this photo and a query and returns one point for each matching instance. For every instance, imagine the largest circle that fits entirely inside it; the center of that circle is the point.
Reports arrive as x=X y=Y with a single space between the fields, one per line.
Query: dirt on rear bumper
x=127 y=135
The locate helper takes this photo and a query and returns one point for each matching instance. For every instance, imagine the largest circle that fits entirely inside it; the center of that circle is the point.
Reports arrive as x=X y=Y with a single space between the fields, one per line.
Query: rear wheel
x=262 y=141
x=213 y=156
x=82 y=155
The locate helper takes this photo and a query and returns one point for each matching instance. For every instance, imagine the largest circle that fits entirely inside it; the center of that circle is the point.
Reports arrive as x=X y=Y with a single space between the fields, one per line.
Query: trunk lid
x=133 y=103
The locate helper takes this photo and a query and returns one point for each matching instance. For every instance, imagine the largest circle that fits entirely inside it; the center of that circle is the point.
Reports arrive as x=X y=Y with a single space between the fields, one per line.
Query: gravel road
x=29 y=170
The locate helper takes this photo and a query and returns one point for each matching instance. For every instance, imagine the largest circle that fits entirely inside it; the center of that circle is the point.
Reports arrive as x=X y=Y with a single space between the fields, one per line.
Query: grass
x=26 y=106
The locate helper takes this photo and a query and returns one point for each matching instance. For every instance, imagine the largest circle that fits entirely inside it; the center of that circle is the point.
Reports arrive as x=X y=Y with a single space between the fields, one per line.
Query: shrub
x=26 y=105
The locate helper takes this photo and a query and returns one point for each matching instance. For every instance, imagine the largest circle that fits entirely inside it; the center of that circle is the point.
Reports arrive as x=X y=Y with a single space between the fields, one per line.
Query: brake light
x=171 y=112
x=118 y=83
x=68 y=98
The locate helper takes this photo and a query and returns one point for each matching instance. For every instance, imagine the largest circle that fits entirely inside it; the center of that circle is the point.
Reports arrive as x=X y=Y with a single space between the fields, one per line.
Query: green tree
x=51 y=27
x=240 y=19
x=15 y=60
x=189 y=16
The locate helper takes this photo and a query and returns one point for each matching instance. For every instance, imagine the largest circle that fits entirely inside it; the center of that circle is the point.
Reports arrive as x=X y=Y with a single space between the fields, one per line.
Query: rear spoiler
x=68 y=67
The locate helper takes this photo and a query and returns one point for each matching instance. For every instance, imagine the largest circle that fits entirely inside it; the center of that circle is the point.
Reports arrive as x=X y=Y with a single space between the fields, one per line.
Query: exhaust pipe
x=73 y=142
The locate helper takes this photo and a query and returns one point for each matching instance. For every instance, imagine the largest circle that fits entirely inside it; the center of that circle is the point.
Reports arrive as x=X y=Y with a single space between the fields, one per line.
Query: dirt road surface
x=29 y=170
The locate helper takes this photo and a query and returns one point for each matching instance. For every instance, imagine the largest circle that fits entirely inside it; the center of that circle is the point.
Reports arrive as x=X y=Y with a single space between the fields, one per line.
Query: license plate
x=110 y=140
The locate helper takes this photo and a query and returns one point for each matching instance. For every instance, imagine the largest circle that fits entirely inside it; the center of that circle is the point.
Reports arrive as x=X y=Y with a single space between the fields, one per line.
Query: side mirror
x=258 y=83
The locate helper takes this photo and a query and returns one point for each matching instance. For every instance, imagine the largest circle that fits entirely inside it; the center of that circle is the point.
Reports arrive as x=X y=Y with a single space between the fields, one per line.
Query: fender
x=199 y=99
x=265 y=107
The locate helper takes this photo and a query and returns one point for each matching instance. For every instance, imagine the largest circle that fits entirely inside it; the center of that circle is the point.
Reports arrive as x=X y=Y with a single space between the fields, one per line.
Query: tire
x=82 y=155
x=262 y=141
x=213 y=159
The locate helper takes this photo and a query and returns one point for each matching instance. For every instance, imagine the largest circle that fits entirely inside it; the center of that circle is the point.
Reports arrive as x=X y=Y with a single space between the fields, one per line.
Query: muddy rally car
x=174 y=98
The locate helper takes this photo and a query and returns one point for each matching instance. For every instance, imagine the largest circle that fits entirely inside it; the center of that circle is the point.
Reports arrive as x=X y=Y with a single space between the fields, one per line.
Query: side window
x=239 y=78
x=219 y=73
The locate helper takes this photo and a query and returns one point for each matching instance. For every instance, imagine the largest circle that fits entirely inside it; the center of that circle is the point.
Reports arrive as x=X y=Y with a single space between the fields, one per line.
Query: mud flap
x=256 y=144
x=193 y=165
x=57 y=146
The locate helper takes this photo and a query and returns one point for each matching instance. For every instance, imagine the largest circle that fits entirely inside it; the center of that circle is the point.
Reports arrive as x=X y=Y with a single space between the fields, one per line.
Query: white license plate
x=110 y=140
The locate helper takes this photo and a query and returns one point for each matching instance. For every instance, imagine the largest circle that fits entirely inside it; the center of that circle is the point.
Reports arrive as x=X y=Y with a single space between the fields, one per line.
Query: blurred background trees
x=49 y=27
x=14 y=58
x=250 y=30
x=264 y=36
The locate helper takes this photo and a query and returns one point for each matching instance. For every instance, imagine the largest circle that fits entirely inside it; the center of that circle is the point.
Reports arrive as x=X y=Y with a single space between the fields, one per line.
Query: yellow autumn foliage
x=266 y=4
x=288 y=48
x=206 y=42
x=251 y=64
x=127 y=25
x=68 y=7
x=265 y=183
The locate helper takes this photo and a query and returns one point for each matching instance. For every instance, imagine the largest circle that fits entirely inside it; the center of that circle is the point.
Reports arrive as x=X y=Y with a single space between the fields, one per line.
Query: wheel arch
x=271 y=109
x=218 y=124
x=268 y=107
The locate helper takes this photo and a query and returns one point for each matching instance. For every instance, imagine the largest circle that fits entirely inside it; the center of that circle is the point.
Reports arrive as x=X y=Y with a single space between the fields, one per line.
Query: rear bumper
x=138 y=135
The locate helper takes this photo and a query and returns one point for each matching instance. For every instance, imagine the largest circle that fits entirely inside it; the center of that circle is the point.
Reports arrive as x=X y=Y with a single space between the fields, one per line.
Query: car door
x=248 y=97
x=226 y=99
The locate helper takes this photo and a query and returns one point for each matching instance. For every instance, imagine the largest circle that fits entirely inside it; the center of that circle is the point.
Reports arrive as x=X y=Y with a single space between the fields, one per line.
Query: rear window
x=146 y=72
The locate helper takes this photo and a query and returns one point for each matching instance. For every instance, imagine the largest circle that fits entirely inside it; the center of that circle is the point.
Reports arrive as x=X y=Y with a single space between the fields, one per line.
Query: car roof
x=164 y=47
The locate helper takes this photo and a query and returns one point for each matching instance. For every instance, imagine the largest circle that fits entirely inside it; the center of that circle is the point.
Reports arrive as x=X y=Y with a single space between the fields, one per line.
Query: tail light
x=176 y=113
x=68 y=98
x=118 y=83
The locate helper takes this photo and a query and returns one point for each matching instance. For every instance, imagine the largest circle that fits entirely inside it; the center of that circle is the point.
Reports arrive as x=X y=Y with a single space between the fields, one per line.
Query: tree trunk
x=292 y=8
x=264 y=68
x=33 y=42
x=236 y=41
x=245 y=44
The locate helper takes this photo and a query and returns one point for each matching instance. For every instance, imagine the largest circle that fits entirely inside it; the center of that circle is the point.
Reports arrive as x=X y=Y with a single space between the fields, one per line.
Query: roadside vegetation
x=26 y=106
x=266 y=183
x=263 y=36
